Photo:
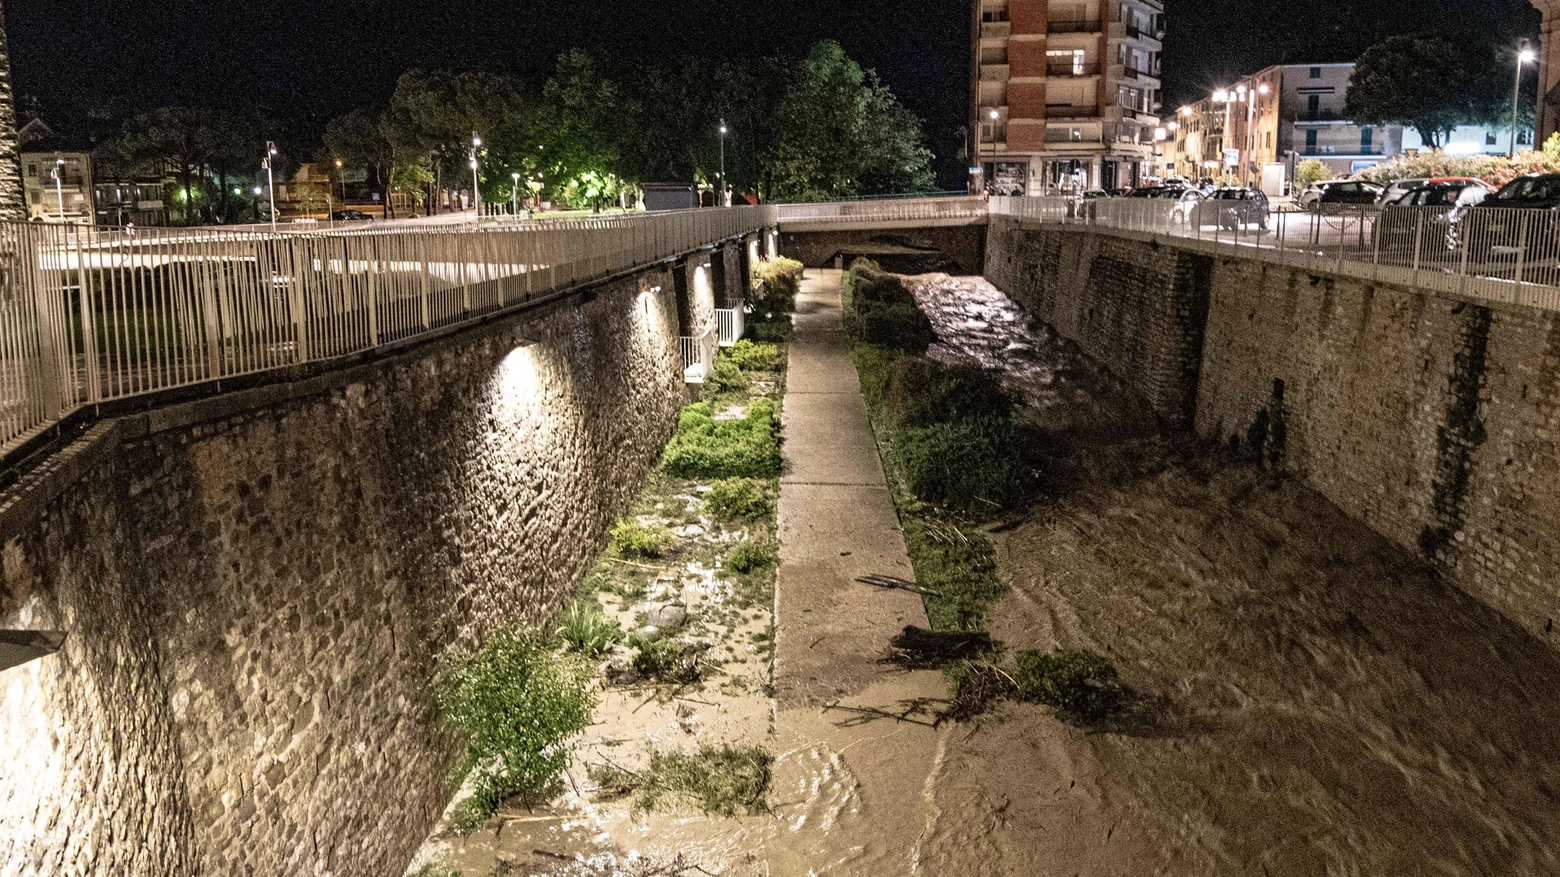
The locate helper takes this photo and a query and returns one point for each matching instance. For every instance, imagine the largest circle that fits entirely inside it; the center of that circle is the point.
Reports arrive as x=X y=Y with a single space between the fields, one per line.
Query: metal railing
x=698 y=356
x=731 y=323
x=1508 y=256
x=887 y=210
x=90 y=316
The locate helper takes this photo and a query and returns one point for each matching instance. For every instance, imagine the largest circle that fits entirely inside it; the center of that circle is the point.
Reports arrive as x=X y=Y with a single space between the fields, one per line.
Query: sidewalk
x=837 y=523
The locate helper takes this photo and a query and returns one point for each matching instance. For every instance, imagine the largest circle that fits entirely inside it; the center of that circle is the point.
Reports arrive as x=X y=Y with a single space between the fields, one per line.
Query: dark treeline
x=595 y=129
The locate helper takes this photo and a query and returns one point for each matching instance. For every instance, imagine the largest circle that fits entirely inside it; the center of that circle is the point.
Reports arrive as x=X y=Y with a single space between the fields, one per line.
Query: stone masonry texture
x=1434 y=420
x=13 y=207
x=258 y=600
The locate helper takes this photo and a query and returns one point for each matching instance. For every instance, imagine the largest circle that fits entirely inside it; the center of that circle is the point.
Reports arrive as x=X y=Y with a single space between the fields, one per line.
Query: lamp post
x=1525 y=55
x=1224 y=96
x=256 y=202
x=991 y=179
x=514 y=195
x=725 y=191
x=270 y=179
x=340 y=172
x=476 y=193
x=59 y=184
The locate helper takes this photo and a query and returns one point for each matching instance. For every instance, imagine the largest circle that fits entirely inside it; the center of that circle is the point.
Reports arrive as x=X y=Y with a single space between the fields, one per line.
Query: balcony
x=1072 y=27
x=994 y=72
x=1069 y=70
x=996 y=30
x=1071 y=111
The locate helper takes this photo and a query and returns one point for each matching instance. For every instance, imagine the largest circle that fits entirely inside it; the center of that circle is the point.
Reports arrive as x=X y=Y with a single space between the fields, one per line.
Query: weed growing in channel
x=668 y=661
x=748 y=557
x=706 y=448
x=740 y=499
x=965 y=464
x=585 y=629
x=631 y=539
x=515 y=703
x=718 y=780
x=726 y=378
x=752 y=357
x=881 y=310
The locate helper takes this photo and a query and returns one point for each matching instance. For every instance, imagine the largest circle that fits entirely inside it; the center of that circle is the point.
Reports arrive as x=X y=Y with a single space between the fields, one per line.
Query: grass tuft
x=706 y=448
x=632 y=539
x=585 y=629
x=741 y=499
x=749 y=557
x=751 y=357
x=668 y=661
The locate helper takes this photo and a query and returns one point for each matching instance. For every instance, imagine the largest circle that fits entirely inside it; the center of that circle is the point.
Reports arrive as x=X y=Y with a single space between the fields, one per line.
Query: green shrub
x=746 y=558
x=967 y=463
x=752 y=357
x=874 y=365
x=706 y=448
x=585 y=629
x=921 y=391
x=901 y=326
x=740 y=499
x=778 y=282
x=631 y=539
x=867 y=283
x=667 y=661
x=726 y=377
x=515 y=703
x=1083 y=688
x=770 y=331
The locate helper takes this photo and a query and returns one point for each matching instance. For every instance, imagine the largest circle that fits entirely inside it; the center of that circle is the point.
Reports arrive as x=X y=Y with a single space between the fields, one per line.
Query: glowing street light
x=59 y=183
x=476 y=192
x=991 y=181
x=725 y=190
x=514 y=195
x=1525 y=55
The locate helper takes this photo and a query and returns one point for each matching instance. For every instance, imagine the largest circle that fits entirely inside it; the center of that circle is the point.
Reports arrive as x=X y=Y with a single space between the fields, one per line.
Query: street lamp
x=59 y=184
x=343 y=175
x=991 y=181
x=1525 y=55
x=1226 y=97
x=476 y=193
x=725 y=190
x=270 y=179
x=514 y=195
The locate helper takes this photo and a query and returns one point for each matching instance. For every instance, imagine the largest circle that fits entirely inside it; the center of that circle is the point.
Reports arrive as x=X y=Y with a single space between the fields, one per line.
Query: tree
x=180 y=139
x=844 y=134
x=358 y=140
x=432 y=116
x=1423 y=82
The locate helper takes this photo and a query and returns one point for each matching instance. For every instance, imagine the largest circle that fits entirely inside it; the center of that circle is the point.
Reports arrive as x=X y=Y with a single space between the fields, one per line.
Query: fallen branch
x=891 y=583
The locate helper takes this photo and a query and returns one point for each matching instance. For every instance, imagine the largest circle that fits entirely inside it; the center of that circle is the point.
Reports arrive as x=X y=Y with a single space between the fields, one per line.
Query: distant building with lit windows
x=1065 y=93
x=1257 y=130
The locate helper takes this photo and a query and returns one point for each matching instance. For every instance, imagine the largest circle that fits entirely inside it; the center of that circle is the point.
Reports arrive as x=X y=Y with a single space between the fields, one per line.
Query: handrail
x=89 y=316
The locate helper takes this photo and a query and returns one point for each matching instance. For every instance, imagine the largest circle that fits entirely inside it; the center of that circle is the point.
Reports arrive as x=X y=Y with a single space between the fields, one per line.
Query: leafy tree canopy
x=1427 y=83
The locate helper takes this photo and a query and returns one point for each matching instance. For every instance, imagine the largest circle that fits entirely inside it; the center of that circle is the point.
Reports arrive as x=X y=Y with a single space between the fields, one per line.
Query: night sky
x=301 y=63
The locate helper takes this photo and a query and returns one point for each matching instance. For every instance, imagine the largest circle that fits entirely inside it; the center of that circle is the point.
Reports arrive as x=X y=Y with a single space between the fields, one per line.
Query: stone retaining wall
x=1434 y=420
x=259 y=587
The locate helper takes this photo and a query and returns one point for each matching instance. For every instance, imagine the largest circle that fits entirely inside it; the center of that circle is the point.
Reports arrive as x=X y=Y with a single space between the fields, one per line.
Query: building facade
x=1066 y=93
x=1549 y=70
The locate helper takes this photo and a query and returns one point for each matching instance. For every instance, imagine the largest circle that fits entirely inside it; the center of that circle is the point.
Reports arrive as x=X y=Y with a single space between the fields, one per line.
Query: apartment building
x=56 y=176
x=1066 y=93
x=1256 y=130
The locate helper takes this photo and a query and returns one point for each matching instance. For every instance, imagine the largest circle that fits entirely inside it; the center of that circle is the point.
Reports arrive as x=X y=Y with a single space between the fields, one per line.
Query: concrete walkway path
x=838 y=704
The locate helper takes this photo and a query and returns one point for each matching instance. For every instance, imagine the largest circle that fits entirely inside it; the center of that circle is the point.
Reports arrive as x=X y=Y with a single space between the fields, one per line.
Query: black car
x=1424 y=217
x=351 y=216
x=1521 y=220
x=1348 y=192
x=1232 y=208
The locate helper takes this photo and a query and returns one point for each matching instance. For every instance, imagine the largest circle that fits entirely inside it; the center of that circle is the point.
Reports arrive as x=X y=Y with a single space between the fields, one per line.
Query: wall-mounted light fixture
x=21 y=646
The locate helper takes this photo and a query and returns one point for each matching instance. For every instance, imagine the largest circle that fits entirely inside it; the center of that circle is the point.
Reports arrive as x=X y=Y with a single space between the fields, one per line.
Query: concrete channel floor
x=837 y=702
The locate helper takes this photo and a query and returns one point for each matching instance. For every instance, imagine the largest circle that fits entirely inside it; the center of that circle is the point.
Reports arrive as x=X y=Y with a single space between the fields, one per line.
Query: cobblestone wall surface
x=1434 y=420
x=258 y=590
x=1139 y=310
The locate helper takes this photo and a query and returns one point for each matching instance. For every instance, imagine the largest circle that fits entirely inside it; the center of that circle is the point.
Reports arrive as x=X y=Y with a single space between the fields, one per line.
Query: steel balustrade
x=91 y=316
x=1505 y=256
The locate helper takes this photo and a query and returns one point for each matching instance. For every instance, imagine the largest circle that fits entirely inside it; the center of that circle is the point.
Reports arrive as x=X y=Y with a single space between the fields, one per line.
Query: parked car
x=1397 y=189
x=1233 y=207
x=1493 y=228
x=1185 y=207
x=1425 y=216
x=1339 y=192
x=351 y=216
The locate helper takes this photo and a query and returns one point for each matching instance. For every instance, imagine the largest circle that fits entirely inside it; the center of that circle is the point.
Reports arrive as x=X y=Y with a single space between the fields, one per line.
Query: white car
x=1398 y=189
x=1313 y=193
